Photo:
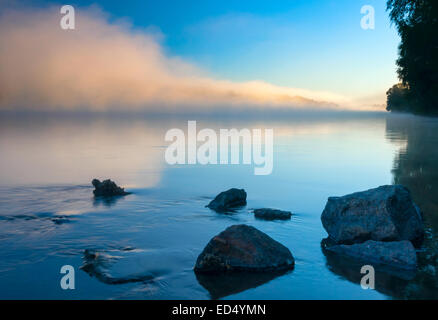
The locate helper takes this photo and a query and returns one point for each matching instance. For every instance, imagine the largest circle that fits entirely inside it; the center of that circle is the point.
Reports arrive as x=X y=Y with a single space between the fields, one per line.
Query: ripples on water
x=144 y=246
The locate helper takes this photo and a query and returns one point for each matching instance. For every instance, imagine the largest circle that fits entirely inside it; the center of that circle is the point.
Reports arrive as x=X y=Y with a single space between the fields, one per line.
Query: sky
x=211 y=53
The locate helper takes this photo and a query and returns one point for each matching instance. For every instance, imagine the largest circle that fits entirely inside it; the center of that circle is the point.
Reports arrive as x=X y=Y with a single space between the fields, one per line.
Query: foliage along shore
x=417 y=24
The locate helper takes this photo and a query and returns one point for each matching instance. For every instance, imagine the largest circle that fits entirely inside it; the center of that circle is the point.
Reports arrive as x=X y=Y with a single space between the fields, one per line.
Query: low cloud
x=108 y=66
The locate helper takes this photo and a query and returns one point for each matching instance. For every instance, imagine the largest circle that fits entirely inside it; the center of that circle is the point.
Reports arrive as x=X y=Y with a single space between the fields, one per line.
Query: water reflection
x=106 y=201
x=387 y=281
x=42 y=151
x=222 y=285
x=415 y=165
x=46 y=166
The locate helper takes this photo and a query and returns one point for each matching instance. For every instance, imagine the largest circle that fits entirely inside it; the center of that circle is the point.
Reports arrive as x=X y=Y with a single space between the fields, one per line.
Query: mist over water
x=148 y=242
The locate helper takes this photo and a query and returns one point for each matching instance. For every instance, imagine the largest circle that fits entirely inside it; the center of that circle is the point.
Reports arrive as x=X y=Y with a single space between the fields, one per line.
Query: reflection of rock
x=225 y=284
x=272 y=214
x=228 y=200
x=244 y=248
x=397 y=254
x=121 y=268
x=106 y=201
x=389 y=281
x=107 y=188
x=386 y=213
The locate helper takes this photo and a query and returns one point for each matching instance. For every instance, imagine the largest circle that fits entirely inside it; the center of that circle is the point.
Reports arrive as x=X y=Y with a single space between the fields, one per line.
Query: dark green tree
x=398 y=98
x=417 y=24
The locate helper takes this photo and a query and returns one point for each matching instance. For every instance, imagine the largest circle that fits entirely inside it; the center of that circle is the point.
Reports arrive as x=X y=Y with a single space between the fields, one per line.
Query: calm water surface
x=147 y=242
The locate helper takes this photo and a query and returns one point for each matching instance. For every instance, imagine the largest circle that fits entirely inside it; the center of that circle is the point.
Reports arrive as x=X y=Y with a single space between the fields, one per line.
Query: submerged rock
x=60 y=219
x=272 y=214
x=386 y=213
x=122 y=266
x=228 y=199
x=107 y=188
x=244 y=248
x=396 y=254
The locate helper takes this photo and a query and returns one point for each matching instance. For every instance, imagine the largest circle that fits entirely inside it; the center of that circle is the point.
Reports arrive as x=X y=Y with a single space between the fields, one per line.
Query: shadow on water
x=225 y=284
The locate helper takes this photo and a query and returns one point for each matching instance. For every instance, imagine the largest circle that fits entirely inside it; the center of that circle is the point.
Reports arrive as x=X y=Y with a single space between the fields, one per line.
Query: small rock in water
x=60 y=219
x=387 y=213
x=244 y=248
x=272 y=214
x=397 y=254
x=107 y=188
x=228 y=199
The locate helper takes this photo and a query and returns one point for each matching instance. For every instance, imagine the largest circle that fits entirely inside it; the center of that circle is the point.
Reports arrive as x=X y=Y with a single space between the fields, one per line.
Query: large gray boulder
x=396 y=254
x=386 y=213
x=243 y=248
x=229 y=199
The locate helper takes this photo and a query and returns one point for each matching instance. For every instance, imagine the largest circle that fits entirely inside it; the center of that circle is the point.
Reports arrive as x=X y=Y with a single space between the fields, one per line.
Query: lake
x=147 y=242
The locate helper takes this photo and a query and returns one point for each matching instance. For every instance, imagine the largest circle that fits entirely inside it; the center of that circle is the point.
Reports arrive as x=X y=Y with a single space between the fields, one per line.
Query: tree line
x=417 y=65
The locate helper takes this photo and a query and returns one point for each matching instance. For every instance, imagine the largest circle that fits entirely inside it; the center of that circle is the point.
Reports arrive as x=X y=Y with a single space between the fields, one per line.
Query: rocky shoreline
x=381 y=226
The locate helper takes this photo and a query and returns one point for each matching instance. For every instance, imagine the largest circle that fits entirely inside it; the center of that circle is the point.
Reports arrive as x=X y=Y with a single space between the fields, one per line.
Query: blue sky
x=315 y=45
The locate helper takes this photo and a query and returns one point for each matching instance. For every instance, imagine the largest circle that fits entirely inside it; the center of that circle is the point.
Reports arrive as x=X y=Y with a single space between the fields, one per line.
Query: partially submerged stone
x=396 y=254
x=107 y=188
x=244 y=248
x=101 y=266
x=128 y=264
x=272 y=214
x=229 y=199
x=387 y=213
